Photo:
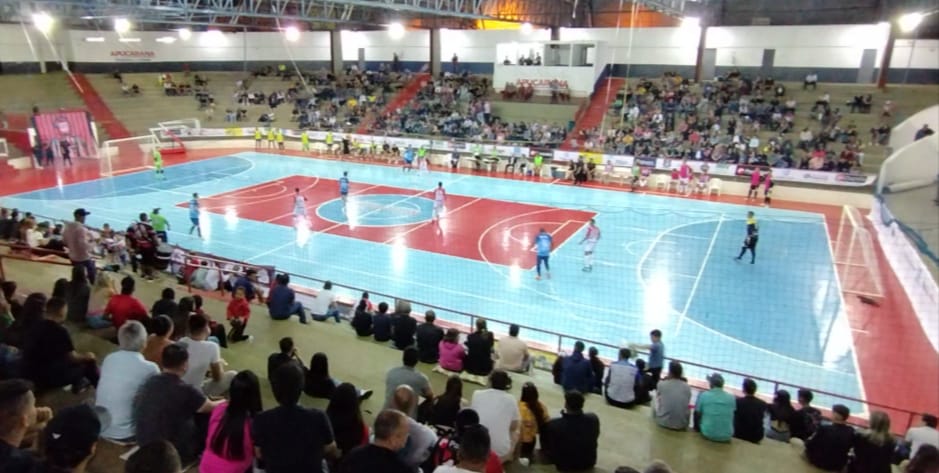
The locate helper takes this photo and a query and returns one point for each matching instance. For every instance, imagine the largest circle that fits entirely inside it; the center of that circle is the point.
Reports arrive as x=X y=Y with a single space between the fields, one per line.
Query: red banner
x=69 y=130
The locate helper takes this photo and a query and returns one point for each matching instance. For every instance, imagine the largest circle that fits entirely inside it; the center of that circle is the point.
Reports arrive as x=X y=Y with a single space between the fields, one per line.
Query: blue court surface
x=662 y=262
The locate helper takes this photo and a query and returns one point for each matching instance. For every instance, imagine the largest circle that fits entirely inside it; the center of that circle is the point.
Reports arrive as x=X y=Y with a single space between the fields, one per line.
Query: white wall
x=661 y=46
x=480 y=45
x=414 y=45
x=14 y=44
x=925 y=54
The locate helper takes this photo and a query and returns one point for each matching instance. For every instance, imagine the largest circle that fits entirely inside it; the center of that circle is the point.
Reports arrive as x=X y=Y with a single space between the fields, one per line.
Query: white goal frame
x=140 y=145
x=855 y=257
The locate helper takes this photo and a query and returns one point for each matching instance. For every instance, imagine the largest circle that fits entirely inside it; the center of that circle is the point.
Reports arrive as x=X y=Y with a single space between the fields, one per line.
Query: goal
x=854 y=256
x=126 y=155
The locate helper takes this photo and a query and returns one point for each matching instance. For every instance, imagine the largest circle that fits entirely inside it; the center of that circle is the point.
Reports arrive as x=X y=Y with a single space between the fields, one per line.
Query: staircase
x=99 y=110
x=402 y=98
x=593 y=114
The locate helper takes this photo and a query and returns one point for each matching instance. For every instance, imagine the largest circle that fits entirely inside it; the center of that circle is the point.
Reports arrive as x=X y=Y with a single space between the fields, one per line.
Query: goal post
x=855 y=256
x=126 y=155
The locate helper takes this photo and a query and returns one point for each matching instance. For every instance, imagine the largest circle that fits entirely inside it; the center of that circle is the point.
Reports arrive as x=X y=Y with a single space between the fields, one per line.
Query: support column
x=555 y=33
x=335 y=51
x=435 y=64
x=699 y=57
x=886 y=57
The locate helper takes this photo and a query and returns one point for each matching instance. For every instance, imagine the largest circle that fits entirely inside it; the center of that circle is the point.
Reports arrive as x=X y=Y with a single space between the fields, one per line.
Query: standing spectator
x=324 y=305
x=598 y=369
x=290 y=438
x=925 y=434
x=122 y=374
x=69 y=440
x=78 y=295
x=672 y=399
x=807 y=418
x=144 y=242
x=228 y=445
x=49 y=357
x=828 y=447
x=534 y=416
x=428 y=339
x=391 y=436
x=479 y=346
x=77 y=240
x=166 y=304
x=345 y=417
x=714 y=411
x=19 y=417
x=452 y=353
x=780 y=416
x=124 y=306
x=156 y=457
x=167 y=408
x=238 y=312
x=161 y=328
x=512 y=352
x=403 y=326
x=570 y=441
x=620 y=381
x=448 y=404
x=576 y=371
x=407 y=374
x=498 y=411
x=381 y=323
x=204 y=357
x=656 y=355
x=160 y=225
x=749 y=414
x=873 y=448
x=287 y=354
x=282 y=302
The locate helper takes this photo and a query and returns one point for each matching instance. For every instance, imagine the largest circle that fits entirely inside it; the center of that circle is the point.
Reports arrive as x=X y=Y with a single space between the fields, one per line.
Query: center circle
x=377 y=210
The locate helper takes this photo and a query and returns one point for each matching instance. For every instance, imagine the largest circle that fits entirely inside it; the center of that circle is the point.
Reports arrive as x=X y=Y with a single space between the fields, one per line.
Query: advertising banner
x=67 y=131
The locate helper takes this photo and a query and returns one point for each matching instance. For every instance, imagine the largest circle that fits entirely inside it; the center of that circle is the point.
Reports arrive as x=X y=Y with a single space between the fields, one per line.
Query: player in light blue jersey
x=344 y=187
x=194 y=215
x=543 y=244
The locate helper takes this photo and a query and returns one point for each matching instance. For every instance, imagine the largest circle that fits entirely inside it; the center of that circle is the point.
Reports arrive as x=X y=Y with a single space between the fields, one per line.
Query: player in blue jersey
x=753 y=235
x=543 y=244
x=194 y=215
x=408 y=158
x=344 y=187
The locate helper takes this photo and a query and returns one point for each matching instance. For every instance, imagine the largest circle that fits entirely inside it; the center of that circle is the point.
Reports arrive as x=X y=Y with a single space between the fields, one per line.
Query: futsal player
x=299 y=207
x=158 y=163
x=422 y=160
x=408 y=159
x=194 y=214
x=684 y=176
x=305 y=141
x=543 y=244
x=591 y=239
x=768 y=187
x=257 y=138
x=344 y=188
x=754 y=184
x=749 y=243
x=440 y=197
x=270 y=138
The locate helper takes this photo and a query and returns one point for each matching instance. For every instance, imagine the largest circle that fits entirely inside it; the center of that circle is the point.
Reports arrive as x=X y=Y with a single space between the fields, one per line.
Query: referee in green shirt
x=160 y=225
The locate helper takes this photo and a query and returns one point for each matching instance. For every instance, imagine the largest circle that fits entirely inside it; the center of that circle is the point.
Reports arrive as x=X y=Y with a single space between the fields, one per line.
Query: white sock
x=588 y=259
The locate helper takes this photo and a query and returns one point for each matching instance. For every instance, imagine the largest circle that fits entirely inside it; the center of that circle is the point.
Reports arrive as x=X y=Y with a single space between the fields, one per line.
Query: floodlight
x=121 y=25
x=185 y=34
x=910 y=21
x=690 y=22
x=526 y=28
x=43 y=22
x=292 y=34
x=396 y=30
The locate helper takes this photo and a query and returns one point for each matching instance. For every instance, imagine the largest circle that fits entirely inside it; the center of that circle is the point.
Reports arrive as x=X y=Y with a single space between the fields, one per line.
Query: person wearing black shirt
x=391 y=435
x=18 y=416
x=166 y=305
x=807 y=418
x=290 y=438
x=570 y=441
x=362 y=319
x=381 y=323
x=403 y=326
x=749 y=243
x=49 y=357
x=828 y=448
x=428 y=339
x=598 y=369
x=479 y=350
x=748 y=417
x=287 y=354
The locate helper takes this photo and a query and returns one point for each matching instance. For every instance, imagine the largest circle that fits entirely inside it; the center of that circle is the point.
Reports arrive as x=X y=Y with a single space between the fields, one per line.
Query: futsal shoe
x=537 y=278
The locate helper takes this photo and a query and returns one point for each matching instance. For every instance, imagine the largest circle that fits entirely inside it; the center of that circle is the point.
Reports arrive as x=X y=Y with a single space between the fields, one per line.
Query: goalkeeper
x=749 y=243
x=158 y=163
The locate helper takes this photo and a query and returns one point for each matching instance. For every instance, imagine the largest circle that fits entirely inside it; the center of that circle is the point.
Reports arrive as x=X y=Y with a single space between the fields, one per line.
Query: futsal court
x=661 y=263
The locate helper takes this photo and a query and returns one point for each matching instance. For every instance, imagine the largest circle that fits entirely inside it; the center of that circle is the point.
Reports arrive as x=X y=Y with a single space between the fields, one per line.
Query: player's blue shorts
x=409 y=161
x=343 y=193
x=194 y=220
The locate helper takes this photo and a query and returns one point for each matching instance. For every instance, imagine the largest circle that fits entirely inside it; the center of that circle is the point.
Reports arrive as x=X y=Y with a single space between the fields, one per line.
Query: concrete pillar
x=699 y=58
x=555 y=33
x=335 y=49
x=435 y=63
x=887 y=56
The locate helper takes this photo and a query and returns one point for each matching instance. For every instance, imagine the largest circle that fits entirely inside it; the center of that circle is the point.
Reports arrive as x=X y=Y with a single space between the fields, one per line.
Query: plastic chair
x=715 y=184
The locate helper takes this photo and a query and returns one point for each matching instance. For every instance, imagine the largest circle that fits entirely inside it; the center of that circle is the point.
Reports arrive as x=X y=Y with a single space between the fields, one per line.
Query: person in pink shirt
x=451 y=351
x=754 y=184
x=684 y=175
x=767 y=187
x=229 y=447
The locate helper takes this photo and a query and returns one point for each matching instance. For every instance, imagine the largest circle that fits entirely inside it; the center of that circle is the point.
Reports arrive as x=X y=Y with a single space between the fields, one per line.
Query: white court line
x=697 y=279
x=416 y=227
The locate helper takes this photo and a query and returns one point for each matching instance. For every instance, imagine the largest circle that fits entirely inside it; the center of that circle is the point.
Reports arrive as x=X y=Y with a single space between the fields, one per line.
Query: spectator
x=77 y=240
x=362 y=319
x=19 y=417
x=391 y=436
x=249 y=282
x=926 y=460
x=498 y=411
x=656 y=355
x=474 y=452
x=78 y=295
x=167 y=408
x=672 y=399
x=101 y=294
x=287 y=354
x=403 y=326
x=428 y=339
x=447 y=450
x=828 y=447
x=420 y=437
x=319 y=384
x=479 y=346
x=345 y=417
x=49 y=357
x=806 y=419
x=925 y=434
x=155 y=457
x=161 y=328
x=576 y=371
x=229 y=447
x=598 y=369
x=873 y=448
x=122 y=374
x=534 y=416
x=714 y=411
x=570 y=441
x=324 y=305
x=922 y=133
x=30 y=315
x=289 y=437
x=512 y=353
x=448 y=404
x=406 y=374
x=620 y=381
x=166 y=304
x=780 y=416
x=381 y=323
x=60 y=289
x=749 y=414
x=238 y=312
x=204 y=357
x=643 y=384
x=69 y=440
x=452 y=353
x=124 y=306
x=282 y=302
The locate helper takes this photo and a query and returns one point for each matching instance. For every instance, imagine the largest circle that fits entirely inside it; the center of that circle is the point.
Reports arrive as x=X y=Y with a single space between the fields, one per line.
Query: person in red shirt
x=446 y=451
x=237 y=313
x=124 y=306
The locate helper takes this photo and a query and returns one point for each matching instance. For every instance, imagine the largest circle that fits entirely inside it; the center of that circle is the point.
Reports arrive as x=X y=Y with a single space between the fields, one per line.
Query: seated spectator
x=20 y=418
x=49 y=357
x=69 y=440
x=403 y=326
x=287 y=354
x=452 y=353
x=873 y=448
x=644 y=384
x=78 y=296
x=474 y=453
x=381 y=323
x=204 y=357
x=498 y=411
x=318 y=383
x=576 y=371
x=229 y=447
x=282 y=302
x=570 y=441
x=534 y=415
x=124 y=306
x=811 y=80
x=166 y=407
x=807 y=418
x=926 y=460
x=448 y=404
x=749 y=414
x=479 y=346
x=381 y=455
x=828 y=448
x=101 y=294
x=620 y=381
x=447 y=451
x=345 y=417
x=428 y=339
x=362 y=319
x=780 y=416
x=673 y=396
x=406 y=374
x=238 y=312
x=156 y=457
x=122 y=374
x=324 y=305
x=420 y=437
x=598 y=369
x=161 y=328
x=925 y=434
x=166 y=304
x=512 y=353
x=714 y=411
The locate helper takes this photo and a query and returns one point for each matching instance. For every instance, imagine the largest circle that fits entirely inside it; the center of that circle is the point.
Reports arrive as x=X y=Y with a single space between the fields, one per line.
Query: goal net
x=854 y=255
x=126 y=155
